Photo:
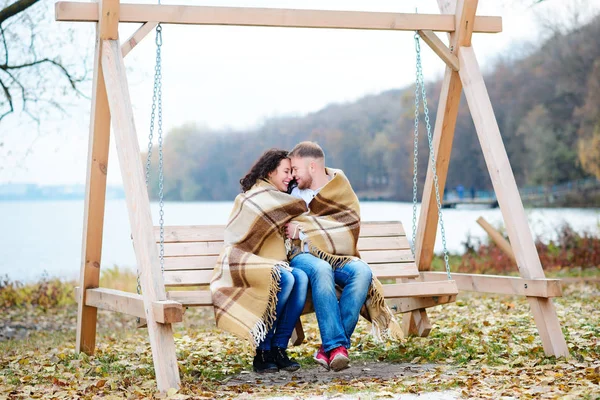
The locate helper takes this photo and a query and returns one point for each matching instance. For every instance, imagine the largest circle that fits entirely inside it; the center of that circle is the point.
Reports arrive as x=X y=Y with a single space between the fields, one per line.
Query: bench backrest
x=191 y=252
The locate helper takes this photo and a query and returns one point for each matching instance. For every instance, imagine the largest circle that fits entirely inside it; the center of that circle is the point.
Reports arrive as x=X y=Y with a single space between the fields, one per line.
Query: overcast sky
x=237 y=77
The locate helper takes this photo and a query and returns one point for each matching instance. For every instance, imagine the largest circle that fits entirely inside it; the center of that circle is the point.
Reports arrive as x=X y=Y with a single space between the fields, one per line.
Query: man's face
x=301 y=172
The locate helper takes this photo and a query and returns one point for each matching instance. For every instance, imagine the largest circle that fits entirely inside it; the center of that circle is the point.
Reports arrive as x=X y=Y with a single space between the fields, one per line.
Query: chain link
x=421 y=83
x=157 y=109
x=415 y=158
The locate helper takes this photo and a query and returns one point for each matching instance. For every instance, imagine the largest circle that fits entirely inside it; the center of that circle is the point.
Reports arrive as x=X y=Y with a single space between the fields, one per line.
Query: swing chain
x=415 y=159
x=157 y=109
x=421 y=82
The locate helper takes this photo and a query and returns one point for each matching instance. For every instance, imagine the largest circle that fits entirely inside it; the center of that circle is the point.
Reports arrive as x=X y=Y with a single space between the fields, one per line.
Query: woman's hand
x=292 y=230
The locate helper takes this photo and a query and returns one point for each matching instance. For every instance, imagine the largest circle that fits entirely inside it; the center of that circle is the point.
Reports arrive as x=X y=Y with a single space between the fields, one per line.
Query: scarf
x=246 y=277
x=332 y=227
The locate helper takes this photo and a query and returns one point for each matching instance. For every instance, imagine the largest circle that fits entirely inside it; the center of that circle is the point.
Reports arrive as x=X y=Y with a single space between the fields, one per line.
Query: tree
x=589 y=130
x=33 y=77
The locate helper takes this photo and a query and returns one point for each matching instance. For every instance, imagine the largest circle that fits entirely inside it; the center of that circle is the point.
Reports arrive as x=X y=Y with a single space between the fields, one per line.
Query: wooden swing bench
x=190 y=254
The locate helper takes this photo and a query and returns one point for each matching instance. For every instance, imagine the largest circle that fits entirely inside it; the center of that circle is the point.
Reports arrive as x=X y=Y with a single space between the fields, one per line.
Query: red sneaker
x=338 y=359
x=322 y=358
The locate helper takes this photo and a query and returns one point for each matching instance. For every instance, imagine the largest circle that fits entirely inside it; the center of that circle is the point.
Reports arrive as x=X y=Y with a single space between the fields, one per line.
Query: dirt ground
x=318 y=375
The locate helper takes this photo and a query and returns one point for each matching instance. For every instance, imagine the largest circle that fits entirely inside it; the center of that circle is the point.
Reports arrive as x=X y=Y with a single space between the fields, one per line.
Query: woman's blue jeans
x=290 y=303
x=337 y=320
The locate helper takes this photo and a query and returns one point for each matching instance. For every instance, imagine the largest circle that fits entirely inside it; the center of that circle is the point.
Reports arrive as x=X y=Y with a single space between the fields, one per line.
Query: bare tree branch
x=15 y=8
x=5 y=45
x=9 y=98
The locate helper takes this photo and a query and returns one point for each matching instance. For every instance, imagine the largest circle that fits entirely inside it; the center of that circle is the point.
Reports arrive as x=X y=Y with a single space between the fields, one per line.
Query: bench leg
x=416 y=323
x=298 y=334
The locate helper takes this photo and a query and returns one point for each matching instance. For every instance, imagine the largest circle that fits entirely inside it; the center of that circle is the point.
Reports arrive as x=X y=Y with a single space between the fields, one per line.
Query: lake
x=45 y=236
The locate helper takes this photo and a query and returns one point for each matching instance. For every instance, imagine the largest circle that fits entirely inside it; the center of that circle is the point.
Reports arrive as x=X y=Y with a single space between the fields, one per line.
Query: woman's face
x=282 y=175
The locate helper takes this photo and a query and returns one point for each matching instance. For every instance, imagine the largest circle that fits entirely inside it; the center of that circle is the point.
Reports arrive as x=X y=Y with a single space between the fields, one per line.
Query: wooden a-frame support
x=110 y=99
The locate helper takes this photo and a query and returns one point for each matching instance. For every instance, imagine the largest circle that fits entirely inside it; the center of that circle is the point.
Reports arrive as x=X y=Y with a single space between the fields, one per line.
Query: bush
x=571 y=252
x=46 y=293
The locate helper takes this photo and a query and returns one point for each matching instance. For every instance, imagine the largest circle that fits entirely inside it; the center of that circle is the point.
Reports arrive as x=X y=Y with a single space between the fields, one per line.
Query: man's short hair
x=307 y=149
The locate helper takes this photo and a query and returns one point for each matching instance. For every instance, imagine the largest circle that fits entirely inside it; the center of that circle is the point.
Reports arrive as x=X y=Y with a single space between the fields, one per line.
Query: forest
x=547 y=105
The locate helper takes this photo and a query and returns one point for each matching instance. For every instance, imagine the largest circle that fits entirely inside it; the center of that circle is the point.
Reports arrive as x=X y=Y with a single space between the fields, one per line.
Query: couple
x=278 y=244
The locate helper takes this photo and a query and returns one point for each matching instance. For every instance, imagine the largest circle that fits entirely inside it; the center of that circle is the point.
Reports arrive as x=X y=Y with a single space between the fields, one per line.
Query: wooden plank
x=140 y=219
x=386 y=256
x=208 y=262
x=509 y=285
x=137 y=37
x=190 y=298
x=497 y=238
x=420 y=289
x=109 y=18
x=188 y=277
x=273 y=17
x=214 y=233
x=179 y=249
x=509 y=200
x=166 y=311
x=95 y=195
x=416 y=303
x=440 y=49
x=198 y=277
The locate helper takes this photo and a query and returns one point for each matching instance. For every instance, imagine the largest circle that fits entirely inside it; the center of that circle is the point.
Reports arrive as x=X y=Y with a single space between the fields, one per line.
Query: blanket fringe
x=384 y=323
x=335 y=261
x=262 y=326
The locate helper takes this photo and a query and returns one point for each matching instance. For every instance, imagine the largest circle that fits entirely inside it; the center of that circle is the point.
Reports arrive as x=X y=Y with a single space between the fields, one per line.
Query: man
x=324 y=246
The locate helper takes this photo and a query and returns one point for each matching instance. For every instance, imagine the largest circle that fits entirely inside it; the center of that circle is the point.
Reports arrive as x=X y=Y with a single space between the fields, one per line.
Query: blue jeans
x=337 y=320
x=290 y=303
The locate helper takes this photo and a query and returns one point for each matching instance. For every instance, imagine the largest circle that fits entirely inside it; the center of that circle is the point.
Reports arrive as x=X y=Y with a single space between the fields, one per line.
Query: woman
x=256 y=294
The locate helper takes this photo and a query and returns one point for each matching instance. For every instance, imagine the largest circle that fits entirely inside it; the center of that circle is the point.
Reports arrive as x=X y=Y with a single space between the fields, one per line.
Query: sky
x=237 y=77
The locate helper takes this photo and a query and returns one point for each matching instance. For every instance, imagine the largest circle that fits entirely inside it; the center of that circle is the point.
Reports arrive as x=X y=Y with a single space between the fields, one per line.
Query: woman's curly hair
x=266 y=164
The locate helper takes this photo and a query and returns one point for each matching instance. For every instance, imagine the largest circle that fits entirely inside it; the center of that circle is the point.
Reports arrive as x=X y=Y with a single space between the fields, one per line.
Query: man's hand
x=292 y=230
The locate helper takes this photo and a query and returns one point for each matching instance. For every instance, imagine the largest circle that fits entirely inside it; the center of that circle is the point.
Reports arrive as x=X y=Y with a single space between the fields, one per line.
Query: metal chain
x=421 y=83
x=157 y=109
x=415 y=159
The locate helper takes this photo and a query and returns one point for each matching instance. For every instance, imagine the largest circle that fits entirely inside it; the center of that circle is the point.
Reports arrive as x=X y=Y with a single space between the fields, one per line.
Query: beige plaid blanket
x=332 y=227
x=246 y=278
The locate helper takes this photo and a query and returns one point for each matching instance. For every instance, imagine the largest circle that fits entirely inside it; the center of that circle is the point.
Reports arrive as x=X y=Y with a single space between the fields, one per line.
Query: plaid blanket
x=246 y=278
x=332 y=227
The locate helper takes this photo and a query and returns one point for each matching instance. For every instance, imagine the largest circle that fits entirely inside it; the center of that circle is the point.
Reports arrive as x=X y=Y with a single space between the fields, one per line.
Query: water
x=38 y=237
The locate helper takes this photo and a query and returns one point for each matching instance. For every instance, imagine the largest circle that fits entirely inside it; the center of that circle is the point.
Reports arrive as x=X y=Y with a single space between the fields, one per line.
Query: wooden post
x=95 y=194
x=509 y=200
x=497 y=237
x=140 y=218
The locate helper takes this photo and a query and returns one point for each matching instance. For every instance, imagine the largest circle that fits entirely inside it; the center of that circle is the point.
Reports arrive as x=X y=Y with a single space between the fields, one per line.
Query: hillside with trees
x=547 y=105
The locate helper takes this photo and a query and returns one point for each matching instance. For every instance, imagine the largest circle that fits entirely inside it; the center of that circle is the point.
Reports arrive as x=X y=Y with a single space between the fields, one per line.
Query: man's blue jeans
x=337 y=320
x=290 y=303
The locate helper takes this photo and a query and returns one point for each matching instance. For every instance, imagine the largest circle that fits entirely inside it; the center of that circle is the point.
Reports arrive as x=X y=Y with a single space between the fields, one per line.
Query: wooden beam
x=137 y=37
x=509 y=200
x=273 y=17
x=140 y=218
x=416 y=323
x=443 y=136
x=165 y=311
x=509 y=285
x=298 y=334
x=439 y=48
x=497 y=237
x=408 y=304
x=420 y=289
x=109 y=19
x=95 y=196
